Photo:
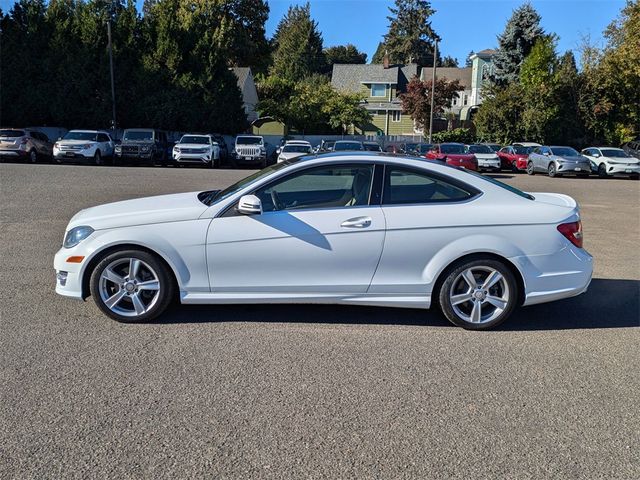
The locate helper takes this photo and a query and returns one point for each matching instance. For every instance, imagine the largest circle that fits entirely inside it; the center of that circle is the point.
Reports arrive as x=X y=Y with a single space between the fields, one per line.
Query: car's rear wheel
x=602 y=170
x=530 y=169
x=132 y=286
x=478 y=294
x=551 y=170
x=33 y=156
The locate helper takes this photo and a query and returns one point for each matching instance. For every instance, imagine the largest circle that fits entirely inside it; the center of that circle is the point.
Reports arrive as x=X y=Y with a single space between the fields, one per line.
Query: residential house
x=247 y=87
x=380 y=85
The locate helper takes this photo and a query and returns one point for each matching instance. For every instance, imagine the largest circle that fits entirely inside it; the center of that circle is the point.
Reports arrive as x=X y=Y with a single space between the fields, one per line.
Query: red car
x=514 y=157
x=453 y=154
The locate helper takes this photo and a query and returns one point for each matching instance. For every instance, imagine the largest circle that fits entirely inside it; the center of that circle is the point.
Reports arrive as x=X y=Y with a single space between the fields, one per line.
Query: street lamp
x=113 y=86
x=433 y=89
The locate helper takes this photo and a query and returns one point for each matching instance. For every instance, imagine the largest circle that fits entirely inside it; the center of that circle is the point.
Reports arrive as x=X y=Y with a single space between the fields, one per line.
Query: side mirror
x=250 y=205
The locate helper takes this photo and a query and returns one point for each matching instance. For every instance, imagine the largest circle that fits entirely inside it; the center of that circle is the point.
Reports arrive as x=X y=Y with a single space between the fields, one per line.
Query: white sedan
x=350 y=228
x=609 y=162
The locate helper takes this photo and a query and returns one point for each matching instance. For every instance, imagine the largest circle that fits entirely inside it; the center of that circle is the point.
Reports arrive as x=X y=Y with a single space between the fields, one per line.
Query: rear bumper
x=563 y=274
x=13 y=153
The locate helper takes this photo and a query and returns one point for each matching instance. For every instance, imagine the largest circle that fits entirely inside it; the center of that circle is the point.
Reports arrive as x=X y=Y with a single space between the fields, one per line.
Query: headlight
x=56 y=145
x=76 y=235
x=118 y=148
x=87 y=146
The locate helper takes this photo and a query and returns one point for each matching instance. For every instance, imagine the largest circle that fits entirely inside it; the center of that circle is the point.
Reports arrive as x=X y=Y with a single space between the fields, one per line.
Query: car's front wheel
x=602 y=170
x=132 y=286
x=551 y=171
x=530 y=169
x=97 y=158
x=33 y=156
x=478 y=294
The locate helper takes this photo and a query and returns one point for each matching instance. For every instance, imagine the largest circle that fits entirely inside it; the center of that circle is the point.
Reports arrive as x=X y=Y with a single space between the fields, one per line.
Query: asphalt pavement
x=310 y=391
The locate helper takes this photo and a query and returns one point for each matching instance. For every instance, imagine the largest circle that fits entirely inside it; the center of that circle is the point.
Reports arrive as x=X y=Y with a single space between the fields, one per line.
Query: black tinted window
x=403 y=186
x=103 y=137
x=322 y=187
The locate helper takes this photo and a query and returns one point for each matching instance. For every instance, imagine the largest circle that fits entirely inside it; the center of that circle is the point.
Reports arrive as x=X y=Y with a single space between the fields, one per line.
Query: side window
x=323 y=187
x=403 y=186
x=103 y=137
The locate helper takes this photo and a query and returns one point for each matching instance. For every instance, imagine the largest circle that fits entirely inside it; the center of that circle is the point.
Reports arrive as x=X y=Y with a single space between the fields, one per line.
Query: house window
x=455 y=101
x=378 y=90
x=396 y=115
x=466 y=99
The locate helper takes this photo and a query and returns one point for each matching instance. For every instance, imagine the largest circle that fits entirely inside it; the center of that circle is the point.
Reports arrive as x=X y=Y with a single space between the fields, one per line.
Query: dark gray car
x=557 y=161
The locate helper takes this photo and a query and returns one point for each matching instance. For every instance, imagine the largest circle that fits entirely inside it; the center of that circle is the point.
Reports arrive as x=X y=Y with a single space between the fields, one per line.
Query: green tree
x=499 y=117
x=344 y=110
x=378 y=55
x=297 y=45
x=468 y=62
x=515 y=43
x=417 y=100
x=342 y=54
x=448 y=62
x=411 y=37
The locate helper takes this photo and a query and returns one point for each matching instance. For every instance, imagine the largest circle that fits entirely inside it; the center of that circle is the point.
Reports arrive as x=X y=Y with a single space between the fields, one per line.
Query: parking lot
x=310 y=391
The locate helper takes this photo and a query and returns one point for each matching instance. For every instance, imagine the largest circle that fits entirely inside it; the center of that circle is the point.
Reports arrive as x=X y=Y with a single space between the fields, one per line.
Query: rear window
x=518 y=192
x=454 y=149
x=479 y=149
x=12 y=133
x=297 y=148
x=522 y=150
x=339 y=146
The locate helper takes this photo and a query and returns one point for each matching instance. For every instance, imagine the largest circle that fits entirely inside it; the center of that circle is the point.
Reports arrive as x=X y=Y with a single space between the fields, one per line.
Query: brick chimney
x=385 y=60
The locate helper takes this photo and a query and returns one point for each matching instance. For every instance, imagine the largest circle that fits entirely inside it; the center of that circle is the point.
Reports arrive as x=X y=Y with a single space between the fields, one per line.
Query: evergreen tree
x=468 y=62
x=448 y=62
x=411 y=38
x=343 y=54
x=378 y=56
x=515 y=43
x=297 y=45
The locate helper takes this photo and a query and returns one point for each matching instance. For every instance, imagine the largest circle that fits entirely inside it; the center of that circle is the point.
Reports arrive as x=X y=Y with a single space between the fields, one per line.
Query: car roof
x=348 y=141
x=88 y=131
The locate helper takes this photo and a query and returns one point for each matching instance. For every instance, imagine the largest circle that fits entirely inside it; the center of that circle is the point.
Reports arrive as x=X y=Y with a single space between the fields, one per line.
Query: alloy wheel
x=552 y=170
x=33 y=156
x=530 y=169
x=479 y=294
x=129 y=287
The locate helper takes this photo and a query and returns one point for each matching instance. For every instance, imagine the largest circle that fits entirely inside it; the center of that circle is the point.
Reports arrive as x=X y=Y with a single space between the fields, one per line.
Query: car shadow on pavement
x=607 y=304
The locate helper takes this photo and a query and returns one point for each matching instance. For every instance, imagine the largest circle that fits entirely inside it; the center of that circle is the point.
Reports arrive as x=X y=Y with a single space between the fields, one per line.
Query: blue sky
x=464 y=25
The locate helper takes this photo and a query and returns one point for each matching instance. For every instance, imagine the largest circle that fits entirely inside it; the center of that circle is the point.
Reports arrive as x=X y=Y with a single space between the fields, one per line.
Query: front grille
x=193 y=150
x=70 y=148
x=247 y=151
x=130 y=149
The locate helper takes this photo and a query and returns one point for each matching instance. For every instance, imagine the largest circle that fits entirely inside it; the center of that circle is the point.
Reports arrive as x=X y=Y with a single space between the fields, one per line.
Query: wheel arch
x=442 y=275
x=101 y=254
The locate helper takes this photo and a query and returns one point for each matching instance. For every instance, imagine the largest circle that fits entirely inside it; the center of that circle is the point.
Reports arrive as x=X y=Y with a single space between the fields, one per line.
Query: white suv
x=249 y=150
x=202 y=149
x=93 y=145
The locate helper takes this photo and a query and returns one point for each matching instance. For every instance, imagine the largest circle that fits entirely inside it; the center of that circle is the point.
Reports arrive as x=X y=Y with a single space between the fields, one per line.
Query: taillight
x=572 y=231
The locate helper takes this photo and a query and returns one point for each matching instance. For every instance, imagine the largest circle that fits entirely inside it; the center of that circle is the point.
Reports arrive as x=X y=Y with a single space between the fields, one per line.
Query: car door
x=317 y=234
x=106 y=145
x=422 y=210
x=540 y=160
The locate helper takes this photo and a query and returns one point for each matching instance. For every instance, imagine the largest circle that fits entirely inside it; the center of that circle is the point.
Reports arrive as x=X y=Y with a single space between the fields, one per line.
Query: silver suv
x=24 y=144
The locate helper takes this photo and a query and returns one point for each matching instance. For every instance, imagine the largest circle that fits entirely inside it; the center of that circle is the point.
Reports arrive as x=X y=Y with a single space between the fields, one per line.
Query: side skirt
x=374 y=300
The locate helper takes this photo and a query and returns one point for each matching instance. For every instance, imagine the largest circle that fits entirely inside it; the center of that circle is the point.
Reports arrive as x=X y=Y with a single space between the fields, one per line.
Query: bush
x=460 y=135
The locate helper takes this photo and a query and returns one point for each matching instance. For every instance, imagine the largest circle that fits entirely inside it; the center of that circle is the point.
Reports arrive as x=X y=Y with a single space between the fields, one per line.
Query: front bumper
x=573 y=168
x=614 y=169
x=70 y=155
x=249 y=159
x=192 y=157
x=68 y=275
x=563 y=274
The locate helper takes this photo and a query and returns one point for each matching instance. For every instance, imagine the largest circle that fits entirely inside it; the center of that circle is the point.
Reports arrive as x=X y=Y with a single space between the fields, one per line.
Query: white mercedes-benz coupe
x=351 y=228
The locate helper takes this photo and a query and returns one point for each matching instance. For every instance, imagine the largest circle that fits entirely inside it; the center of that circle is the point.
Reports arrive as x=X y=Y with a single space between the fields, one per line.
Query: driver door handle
x=357 y=222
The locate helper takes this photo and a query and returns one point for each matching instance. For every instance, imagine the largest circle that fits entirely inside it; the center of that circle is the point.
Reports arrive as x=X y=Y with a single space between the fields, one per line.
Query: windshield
x=195 y=139
x=86 y=136
x=372 y=147
x=248 y=140
x=340 y=146
x=479 y=149
x=500 y=184
x=137 y=135
x=522 y=150
x=614 y=153
x=11 y=133
x=219 y=195
x=425 y=147
x=297 y=148
x=564 y=152
x=451 y=148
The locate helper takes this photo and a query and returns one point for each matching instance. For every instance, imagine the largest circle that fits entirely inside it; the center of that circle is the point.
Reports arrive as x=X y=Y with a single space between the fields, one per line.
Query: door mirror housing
x=250 y=205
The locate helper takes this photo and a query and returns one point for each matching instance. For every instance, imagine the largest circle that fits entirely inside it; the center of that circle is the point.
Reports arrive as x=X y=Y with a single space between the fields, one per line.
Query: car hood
x=75 y=142
x=141 y=211
x=571 y=159
x=192 y=145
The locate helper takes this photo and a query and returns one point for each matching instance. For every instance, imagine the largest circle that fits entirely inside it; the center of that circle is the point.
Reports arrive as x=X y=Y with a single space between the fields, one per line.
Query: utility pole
x=113 y=86
x=433 y=89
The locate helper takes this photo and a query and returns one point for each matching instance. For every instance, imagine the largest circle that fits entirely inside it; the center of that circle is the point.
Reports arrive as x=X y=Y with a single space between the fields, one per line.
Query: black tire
x=530 y=170
x=166 y=291
x=551 y=170
x=97 y=159
x=602 y=171
x=33 y=156
x=452 y=278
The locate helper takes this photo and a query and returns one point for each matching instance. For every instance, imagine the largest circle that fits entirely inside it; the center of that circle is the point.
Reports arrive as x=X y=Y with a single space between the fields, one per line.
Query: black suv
x=143 y=145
